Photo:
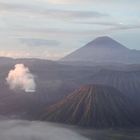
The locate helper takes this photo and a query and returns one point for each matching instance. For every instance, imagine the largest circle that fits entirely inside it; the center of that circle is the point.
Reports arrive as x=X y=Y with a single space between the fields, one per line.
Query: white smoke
x=21 y=78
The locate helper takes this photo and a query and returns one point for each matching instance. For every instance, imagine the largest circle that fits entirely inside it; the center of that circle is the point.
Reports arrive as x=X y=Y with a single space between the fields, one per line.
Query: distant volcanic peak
x=106 y=42
x=103 y=50
x=104 y=38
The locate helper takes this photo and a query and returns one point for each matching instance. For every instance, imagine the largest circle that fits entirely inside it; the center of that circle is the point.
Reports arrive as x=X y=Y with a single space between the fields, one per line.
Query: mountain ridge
x=104 y=50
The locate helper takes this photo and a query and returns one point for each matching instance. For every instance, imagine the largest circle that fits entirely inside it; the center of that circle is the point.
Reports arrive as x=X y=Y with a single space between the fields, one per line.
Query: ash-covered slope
x=103 y=50
x=93 y=106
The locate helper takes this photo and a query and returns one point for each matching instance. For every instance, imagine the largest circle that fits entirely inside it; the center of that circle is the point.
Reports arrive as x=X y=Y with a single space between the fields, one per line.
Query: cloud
x=126 y=27
x=106 y=2
x=57 y=13
x=68 y=1
x=76 y=14
x=25 y=130
x=15 y=54
x=21 y=78
x=39 y=42
x=9 y=7
x=45 y=53
x=110 y=26
x=101 y=23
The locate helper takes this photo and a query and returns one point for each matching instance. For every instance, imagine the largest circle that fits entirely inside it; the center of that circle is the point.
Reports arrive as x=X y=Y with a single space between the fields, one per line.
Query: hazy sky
x=53 y=28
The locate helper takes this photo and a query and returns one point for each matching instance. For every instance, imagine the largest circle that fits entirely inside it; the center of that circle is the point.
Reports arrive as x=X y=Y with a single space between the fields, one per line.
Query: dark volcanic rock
x=93 y=106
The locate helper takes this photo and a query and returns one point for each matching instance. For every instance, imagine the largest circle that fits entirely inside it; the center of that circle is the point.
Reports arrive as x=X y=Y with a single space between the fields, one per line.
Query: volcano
x=104 y=50
x=96 y=106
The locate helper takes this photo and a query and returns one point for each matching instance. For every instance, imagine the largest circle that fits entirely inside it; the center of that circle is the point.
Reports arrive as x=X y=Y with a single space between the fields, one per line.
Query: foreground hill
x=103 y=50
x=93 y=106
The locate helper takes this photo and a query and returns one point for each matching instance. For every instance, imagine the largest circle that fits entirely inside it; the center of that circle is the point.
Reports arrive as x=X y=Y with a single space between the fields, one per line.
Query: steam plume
x=21 y=78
